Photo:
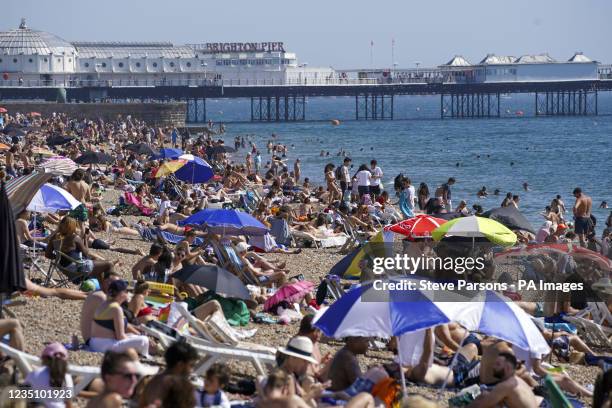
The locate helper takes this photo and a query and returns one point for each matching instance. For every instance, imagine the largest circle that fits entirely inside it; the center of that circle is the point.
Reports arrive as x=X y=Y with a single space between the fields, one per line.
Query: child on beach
x=217 y=377
x=53 y=374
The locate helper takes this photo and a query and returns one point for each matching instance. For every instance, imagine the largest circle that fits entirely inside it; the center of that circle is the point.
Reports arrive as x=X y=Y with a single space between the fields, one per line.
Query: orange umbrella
x=35 y=114
x=4 y=147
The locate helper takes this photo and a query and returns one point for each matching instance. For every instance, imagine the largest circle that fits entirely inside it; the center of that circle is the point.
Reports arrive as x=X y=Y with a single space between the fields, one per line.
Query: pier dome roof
x=579 y=57
x=458 y=61
x=26 y=41
x=535 y=59
x=492 y=59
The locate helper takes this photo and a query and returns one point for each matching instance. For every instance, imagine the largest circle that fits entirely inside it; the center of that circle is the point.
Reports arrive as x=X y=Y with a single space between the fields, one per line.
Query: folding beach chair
x=31 y=261
x=236 y=266
x=221 y=333
x=211 y=352
x=590 y=331
x=165 y=238
x=65 y=275
x=26 y=363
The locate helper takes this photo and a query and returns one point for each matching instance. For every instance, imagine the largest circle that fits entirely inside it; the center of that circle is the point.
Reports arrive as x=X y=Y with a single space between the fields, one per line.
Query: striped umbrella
x=42 y=151
x=20 y=190
x=12 y=277
x=476 y=227
x=59 y=165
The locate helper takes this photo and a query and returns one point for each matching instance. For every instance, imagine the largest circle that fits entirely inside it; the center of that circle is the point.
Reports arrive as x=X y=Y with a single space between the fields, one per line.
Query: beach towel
x=235 y=311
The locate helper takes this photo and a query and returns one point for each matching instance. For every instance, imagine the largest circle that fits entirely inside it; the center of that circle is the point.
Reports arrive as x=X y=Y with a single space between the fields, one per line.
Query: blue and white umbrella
x=51 y=199
x=195 y=170
x=167 y=153
x=370 y=312
x=226 y=222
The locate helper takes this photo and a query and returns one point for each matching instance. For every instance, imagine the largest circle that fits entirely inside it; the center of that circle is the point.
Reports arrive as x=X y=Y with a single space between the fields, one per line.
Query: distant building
x=28 y=56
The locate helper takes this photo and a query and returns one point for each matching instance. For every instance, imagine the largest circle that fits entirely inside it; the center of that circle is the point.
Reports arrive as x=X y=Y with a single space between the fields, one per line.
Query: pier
x=374 y=99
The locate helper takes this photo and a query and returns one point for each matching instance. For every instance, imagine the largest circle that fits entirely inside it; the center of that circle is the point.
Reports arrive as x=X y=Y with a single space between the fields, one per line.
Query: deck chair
x=556 y=397
x=211 y=353
x=26 y=363
x=222 y=334
x=165 y=238
x=590 y=331
x=601 y=315
x=236 y=266
x=133 y=200
x=31 y=260
x=65 y=275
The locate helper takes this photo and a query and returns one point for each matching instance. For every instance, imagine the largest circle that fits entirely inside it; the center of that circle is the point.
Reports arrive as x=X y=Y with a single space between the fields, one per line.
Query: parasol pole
x=403 y=376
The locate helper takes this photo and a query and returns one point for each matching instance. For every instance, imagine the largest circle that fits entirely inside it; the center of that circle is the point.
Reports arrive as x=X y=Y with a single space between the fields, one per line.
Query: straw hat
x=300 y=347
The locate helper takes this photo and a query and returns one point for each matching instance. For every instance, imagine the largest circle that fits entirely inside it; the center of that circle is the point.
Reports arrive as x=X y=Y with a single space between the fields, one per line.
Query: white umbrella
x=52 y=199
x=59 y=165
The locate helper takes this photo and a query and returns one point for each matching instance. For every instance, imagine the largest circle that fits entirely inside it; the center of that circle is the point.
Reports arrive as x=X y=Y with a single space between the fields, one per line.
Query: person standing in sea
x=297 y=170
x=377 y=175
x=443 y=193
x=406 y=199
x=583 y=224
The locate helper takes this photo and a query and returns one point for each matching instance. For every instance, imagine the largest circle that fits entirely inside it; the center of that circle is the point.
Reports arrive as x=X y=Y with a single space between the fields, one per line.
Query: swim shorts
x=583 y=225
x=466 y=372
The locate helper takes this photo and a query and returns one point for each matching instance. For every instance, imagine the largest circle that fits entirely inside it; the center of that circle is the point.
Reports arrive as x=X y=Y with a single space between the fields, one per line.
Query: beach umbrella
x=12 y=277
x=59 y=165
x=167 y=153
x=92 y=157
x=226 y=222
x=17 y=133
x=58 y=140
x=35 y=114
x=473 y=227
x=4 y=146
x=511 y=217
x=379 y=246
x=215 y=278
x=20 y=190
x=3 y=110
x=420 y=226
x=187 y=168
x=141 y=148
x=51 y=199
x=290 y=292
x=220 y=149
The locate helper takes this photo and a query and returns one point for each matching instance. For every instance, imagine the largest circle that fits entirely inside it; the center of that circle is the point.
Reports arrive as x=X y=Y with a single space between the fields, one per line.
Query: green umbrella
x=475 y=227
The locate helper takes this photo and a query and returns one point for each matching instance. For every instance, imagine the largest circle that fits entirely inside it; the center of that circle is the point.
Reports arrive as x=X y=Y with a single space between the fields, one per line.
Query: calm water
x=553 y=155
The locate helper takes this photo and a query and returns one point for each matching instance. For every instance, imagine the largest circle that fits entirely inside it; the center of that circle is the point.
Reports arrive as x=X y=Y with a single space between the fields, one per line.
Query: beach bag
x=389 y=392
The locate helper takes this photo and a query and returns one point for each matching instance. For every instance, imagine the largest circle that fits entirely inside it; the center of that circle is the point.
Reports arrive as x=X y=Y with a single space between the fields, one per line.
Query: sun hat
x=300 y=347
x=55 y=350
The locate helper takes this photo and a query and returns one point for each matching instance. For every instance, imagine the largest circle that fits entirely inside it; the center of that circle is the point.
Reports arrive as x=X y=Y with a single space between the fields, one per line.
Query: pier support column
x=288 y=108
x=578 y=102
x=469 y=105
x=371 y=106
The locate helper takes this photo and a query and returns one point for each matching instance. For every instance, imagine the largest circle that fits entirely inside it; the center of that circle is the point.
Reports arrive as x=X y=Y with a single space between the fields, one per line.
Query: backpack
x=338 y=173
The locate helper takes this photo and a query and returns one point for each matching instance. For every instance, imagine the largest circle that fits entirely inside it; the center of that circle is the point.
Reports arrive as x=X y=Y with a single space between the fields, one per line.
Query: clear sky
x=338 y=33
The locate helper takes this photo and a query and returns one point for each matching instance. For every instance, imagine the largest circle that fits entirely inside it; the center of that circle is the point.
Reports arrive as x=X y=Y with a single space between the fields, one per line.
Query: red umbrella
x=417 y=227
x=3 y=110
x=35 y=114
x=291 y=292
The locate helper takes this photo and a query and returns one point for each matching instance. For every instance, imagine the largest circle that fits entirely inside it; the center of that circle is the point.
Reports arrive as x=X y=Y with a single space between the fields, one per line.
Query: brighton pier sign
x=242 y=47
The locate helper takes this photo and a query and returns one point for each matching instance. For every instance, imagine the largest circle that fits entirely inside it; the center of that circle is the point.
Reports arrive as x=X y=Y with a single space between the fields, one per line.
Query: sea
x=552 y=154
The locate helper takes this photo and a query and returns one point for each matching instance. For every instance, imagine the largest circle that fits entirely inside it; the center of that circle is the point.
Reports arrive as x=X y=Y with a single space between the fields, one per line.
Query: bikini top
x=108 y=323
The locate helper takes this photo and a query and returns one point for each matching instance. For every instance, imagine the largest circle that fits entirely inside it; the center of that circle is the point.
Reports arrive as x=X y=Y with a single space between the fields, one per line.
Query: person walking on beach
x=444 y=194
x=297 y=170
x=257 y=162
x=423 y=195
x=406 y=199
x=377 y=175
x=582 y=215
x=345 y=178
x=332 y=187
x=364 y=178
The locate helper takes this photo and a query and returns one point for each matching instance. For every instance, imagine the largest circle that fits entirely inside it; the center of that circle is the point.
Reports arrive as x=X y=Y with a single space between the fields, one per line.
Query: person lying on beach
x=264 y=276
x=510 y=391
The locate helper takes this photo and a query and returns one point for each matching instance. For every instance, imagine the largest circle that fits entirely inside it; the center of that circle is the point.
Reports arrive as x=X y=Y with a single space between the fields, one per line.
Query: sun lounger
x=223 y=334
x=26 y=363
x=590 y=331
x=166 y=238
x=212 y=353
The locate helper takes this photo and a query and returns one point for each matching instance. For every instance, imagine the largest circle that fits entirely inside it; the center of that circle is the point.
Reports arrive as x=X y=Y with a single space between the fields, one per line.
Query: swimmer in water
x=512 y=163
x=457 y=164
x=604 y=204
x=526 y=186
x=496 y=192
x=322 y=153
x=482 y=193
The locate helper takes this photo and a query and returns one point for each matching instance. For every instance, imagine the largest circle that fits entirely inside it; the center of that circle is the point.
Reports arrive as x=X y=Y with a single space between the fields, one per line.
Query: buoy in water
x=335 y=122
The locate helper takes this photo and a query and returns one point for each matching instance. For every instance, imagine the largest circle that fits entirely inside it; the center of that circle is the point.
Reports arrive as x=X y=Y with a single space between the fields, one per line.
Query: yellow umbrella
x=476 y=227
x=169 y=168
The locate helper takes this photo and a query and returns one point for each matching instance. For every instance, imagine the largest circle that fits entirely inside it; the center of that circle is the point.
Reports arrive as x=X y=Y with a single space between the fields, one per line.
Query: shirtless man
x=582 y=215
x=464 y=373
x=145 y=264
x=511 y=391
x=23 y=231
x=78 y=187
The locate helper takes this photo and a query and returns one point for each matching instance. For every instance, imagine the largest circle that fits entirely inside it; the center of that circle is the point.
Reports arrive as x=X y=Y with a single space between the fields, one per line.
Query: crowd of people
x=118 y=313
